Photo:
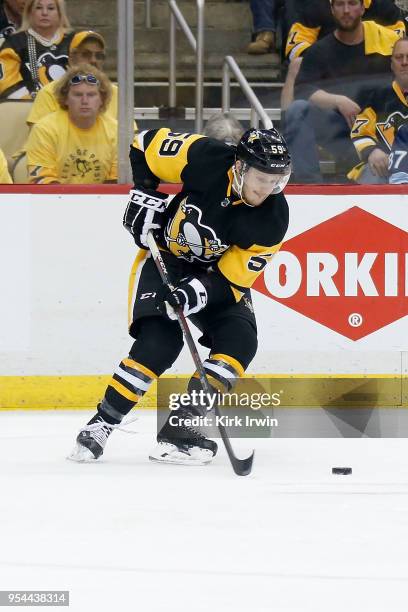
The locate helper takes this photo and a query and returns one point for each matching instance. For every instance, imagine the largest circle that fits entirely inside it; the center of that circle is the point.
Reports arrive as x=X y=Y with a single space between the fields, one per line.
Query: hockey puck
x=342 y=470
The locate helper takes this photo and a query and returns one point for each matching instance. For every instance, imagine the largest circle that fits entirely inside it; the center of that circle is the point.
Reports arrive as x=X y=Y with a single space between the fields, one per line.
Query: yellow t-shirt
x=5 y=177
x=46 y=103
x=60 y=152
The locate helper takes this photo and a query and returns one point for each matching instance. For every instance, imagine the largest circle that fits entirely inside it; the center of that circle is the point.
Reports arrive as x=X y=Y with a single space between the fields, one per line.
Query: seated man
x=315 y=20
x=78 y=143
x=5 y=177
x=86 y=47
x=384 y=110
x=327 y=84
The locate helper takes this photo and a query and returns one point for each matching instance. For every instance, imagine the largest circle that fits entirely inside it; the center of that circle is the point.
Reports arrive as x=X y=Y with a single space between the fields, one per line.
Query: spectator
x=39 y=53
x=398 y=163
x=86 y=47
x=264 y=15
x=78 y=143
x=11 y=12
x=315 y=20
x=224 y=127
x=5 y=177
x=328 y=81
x=384 y=110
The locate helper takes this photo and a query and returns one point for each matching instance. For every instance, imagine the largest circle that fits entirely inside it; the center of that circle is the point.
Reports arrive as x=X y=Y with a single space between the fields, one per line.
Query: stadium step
x=227 y=32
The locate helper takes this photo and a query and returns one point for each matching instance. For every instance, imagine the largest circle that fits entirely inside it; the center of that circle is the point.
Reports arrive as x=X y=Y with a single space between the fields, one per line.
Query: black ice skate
x=91 y=440
x=183 y=444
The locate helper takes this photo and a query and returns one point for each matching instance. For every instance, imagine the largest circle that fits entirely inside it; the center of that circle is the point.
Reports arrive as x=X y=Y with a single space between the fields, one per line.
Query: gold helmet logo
x=253 y=137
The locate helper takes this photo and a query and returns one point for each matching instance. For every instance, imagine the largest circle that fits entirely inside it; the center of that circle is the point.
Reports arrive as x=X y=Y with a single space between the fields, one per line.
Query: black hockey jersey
x=384 y=110
x=17 y=80
x=206 y=223
x=315 y=20
x=398 y=161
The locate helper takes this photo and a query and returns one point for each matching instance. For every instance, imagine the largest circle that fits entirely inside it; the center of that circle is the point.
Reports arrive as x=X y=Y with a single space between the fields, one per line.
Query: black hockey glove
x=190 y=294
x=144 y=213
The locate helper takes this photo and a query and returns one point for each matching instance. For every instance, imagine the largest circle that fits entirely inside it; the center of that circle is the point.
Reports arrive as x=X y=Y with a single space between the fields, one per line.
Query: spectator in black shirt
x=327 y=84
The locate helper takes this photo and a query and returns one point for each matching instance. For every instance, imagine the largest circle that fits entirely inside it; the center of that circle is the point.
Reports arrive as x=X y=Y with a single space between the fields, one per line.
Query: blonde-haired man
x=87 y=47
x=78 y=143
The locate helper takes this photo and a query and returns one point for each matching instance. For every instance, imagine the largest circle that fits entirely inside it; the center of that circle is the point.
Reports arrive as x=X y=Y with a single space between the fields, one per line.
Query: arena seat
x=14 y=130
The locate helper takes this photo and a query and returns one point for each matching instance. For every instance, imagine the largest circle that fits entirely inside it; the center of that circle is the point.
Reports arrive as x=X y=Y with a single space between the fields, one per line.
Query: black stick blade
x=242 y=467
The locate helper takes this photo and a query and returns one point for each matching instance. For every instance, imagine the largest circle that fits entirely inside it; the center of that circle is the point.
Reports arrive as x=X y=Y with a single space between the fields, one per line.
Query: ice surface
x=125 y=534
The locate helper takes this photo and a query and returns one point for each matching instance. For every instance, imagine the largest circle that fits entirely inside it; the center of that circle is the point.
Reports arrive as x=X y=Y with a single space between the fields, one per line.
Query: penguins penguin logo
x=188 y=237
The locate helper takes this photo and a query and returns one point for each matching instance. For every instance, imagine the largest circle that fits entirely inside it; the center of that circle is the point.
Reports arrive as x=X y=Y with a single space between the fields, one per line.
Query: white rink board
x=65 y=261
x=15 y=274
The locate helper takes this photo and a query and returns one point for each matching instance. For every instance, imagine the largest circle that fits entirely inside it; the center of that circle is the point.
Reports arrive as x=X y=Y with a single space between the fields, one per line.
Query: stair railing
x=257 y=110
x=176 y=17
x=148 y=14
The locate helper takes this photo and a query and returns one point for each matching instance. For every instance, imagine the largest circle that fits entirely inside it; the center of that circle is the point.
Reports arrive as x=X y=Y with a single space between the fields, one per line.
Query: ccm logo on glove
x=144 y=213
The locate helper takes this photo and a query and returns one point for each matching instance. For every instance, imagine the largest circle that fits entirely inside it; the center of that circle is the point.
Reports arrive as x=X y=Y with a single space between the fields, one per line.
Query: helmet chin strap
x=238 y=182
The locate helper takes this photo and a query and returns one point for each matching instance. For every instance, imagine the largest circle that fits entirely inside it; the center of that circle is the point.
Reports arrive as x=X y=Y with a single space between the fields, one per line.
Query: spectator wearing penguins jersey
x=384 y=110
x=38 y=54
x=314 y=20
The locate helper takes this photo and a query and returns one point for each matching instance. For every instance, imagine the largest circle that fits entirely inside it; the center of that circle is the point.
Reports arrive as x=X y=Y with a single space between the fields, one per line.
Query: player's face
x=347 y=14
x=89 y=52
x=258 y=185
x=84 y=102
x=45 y=17
x=399 y=63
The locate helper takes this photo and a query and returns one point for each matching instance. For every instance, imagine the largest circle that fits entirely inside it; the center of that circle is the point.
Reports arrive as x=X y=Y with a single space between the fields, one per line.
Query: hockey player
x=216 y=236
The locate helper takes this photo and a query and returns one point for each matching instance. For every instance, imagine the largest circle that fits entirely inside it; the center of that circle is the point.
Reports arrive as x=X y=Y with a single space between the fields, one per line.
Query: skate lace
x=101 y=430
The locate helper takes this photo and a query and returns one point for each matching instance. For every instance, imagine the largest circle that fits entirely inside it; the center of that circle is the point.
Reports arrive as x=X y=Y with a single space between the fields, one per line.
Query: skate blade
x=169 y=453
x=80 y=454
x=176 y=461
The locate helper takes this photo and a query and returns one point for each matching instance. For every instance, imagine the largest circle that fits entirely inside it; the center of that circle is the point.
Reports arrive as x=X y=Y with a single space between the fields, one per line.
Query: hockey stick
x=242 y=467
